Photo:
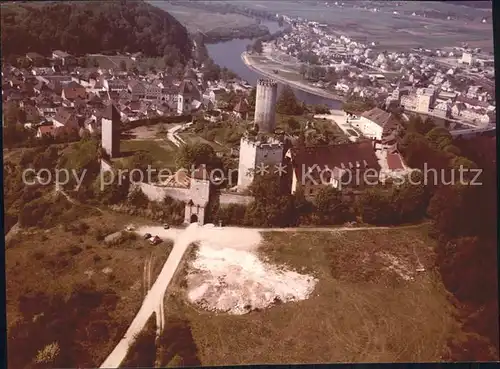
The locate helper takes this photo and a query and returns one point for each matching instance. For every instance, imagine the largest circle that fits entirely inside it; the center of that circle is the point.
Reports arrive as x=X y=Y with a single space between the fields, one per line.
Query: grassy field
x=197 y=20
x=361 y=309
x=163 y=151
x=56 y=260
x=112 y=61
x=191 y=138
x=406 y=31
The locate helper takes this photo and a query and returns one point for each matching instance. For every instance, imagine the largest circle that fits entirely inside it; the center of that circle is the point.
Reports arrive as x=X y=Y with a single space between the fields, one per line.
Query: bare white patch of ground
x=228 y=276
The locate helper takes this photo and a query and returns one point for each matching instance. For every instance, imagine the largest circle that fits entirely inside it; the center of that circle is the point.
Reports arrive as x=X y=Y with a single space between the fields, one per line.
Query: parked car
x=155 y=240
x=166 y=226
x=147 y=236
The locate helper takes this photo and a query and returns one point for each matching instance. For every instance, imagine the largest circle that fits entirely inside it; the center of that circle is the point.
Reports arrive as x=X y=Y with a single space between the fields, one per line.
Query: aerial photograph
x=237 y=182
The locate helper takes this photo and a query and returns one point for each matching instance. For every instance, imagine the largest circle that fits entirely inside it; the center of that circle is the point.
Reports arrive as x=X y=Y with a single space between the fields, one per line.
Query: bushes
x=60 y=346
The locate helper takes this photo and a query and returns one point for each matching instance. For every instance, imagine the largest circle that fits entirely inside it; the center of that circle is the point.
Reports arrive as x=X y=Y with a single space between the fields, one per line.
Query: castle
x=194 y=190
x=265 y=150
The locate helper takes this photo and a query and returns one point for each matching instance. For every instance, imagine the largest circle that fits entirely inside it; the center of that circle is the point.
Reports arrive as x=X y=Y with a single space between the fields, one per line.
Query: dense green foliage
x=288 y=104
x=192 y=156
x=86 y=310
x=92 y=27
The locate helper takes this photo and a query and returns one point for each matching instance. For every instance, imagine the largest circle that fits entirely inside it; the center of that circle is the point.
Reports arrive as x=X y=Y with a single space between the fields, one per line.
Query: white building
x=467 y=58
x=371 y=123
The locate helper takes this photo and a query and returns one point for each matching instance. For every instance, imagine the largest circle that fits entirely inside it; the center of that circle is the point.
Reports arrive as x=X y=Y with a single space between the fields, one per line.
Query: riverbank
x=295 y=84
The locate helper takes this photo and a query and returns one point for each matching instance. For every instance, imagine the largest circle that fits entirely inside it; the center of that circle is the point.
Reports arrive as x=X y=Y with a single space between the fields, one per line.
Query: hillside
x=91 y=27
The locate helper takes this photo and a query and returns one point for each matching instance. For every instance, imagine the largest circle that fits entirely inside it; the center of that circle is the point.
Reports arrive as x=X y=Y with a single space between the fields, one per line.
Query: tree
x=137 y=198
x=330 y=207
x=293 y=123
x=303 y=70
x=439 y=137
x=257 y=46
x=48 y=355
x=190 y=156
x=287 y=103
x=321 y=109
x=375 y=207
x=85 y=28
x=410 y=199
x=446 y=208
x=271 y=206
x=251 y=98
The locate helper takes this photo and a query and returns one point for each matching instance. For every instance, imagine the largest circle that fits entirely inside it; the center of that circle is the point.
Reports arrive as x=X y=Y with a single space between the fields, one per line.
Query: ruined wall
x=158 y=193
x=226 y=199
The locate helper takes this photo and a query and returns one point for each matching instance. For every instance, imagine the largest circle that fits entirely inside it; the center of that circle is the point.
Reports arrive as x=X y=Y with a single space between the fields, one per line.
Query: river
x=228 y=54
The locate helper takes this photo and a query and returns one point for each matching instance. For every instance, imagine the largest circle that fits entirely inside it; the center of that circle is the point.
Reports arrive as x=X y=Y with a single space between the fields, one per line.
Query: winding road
x=174 y=137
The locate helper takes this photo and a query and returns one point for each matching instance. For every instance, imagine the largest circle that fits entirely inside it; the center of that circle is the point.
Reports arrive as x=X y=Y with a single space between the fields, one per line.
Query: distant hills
x=91 y=27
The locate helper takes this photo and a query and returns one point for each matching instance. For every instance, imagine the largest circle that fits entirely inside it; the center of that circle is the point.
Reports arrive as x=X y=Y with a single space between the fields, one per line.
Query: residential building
x=467 y=58
x=63 y=57
x=374 y=123
x=65 y=117
x=136 y=89
x=350 y=165
x=73 y=90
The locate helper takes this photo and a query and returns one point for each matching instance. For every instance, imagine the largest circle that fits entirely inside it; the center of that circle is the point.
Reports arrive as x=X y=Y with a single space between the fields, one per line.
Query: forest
x=92 y=27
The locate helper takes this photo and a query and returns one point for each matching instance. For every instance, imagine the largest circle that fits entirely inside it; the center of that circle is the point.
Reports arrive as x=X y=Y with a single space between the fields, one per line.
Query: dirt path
x=73 y=201
x=152 y=302
x=174 y=137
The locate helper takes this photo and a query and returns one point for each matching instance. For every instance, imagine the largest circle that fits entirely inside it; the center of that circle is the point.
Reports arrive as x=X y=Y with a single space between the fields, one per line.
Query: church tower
x=110 y=131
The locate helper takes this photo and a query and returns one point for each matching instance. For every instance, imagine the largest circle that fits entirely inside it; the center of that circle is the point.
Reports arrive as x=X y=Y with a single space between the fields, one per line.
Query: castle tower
x=265 y=105
x=199 y=196
x=254 y=154
x=110 y=131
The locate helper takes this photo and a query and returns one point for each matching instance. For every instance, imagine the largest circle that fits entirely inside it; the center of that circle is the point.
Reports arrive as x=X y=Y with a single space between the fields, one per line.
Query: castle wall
x=269 y=154
x=265 y=105
x=158 y=193
x=226 y=199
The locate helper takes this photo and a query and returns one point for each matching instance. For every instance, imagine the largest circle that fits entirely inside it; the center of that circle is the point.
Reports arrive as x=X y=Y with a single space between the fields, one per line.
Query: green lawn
x=163 y=152
x=192 y=138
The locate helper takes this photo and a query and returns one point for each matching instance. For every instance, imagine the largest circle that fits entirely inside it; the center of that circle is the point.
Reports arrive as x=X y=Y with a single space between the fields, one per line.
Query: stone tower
x=265 y=105
x=110 y=131
x=199 y=195
x=255 y=153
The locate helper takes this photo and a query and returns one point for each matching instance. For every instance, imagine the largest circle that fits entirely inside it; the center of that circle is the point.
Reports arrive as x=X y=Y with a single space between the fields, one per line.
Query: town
x=455 y=83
